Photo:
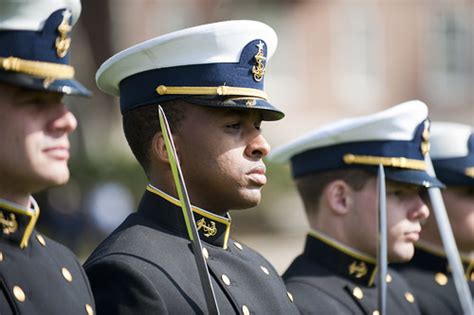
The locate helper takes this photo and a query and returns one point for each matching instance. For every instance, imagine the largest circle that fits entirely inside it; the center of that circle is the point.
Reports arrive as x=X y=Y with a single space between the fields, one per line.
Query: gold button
x=409 y=297
x=357 y=292
x=245 y=310
x=225 y=279
x=1 y=256
x=89 y=310
x=441 y=278
x=375 y=312
x=290 y=296
x=238 y=245
x=66 y=274
x=41 y=239
x=205 y=253
x=388 y=278
x=18 y=293
x=265 y=270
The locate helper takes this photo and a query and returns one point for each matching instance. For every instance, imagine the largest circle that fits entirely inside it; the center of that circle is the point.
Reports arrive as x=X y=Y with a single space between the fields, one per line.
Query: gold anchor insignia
x=209 y=230
x=62 y=41
x=9 y=225
x=359 y=269
x=259 y=69
x=250 y=103
x=425 y=136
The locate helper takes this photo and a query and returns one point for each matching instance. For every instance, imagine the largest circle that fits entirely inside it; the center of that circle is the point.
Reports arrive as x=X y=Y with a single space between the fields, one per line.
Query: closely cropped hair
x=312 y=186
x=141 y=124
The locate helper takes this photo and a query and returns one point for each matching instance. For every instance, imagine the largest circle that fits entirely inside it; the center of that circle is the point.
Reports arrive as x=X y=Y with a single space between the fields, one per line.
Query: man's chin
x=249 y=200
x=403 y=254
x=54 y=178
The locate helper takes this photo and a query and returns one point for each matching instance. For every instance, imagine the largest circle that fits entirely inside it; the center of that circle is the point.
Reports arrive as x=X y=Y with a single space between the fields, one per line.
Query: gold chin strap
x=211 y=90
x=400 y=162
x=37 y=68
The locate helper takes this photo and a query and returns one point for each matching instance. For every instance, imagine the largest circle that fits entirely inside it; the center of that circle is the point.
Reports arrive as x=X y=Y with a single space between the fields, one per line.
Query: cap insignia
x=250 y=103
x=62 y=41
x=425 y=136
x=208 y=229
x=8 y=225
x=258 y=70
x=358 y=269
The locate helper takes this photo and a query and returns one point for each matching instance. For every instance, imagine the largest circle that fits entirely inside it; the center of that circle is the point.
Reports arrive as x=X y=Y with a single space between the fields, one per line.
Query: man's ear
x=338 y=196
x=158 y=148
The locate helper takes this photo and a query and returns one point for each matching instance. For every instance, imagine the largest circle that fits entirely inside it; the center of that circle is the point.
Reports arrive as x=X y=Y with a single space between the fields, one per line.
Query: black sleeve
x=120 y=289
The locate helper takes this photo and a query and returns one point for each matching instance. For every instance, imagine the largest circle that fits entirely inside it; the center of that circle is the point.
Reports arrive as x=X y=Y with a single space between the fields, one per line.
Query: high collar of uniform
x=17 y=222
x=343 y=260
x=167 y=212
x=433 y=257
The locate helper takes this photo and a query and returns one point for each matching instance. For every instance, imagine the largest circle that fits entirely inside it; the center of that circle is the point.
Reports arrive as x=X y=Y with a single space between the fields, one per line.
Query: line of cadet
x=210 y=81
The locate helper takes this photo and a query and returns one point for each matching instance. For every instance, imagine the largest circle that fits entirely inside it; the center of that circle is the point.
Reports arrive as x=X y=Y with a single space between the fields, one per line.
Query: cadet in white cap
x=335 y=169
x=37 y=275
x=209 y=81
x=452 y=153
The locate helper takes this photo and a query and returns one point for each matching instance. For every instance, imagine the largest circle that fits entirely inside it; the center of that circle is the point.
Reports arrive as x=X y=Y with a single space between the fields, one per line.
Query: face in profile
x=221 y=152
x=459 y=202
x=34 y=137
x=405 y=212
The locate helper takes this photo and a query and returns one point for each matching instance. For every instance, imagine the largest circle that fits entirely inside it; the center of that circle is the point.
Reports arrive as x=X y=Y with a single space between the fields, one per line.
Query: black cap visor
x=68 y=87
x=269 y=112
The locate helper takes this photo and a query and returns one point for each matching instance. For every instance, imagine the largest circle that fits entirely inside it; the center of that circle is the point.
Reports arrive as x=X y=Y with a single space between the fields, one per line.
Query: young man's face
x=221 y=152
x=35 y=147
x=405 y=211
x=459 y=203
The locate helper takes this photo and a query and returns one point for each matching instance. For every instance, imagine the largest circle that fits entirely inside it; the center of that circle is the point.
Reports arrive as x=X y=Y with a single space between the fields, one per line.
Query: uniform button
x=205 y=253
x=225 y=279
x=89 y=310
x=238 y=245
x=245 y=310
x=441 y=278
x=290 y=296
x=375 y=312
x=388 y=278
x=265 y=270
x=41 y=239
x=409 y=297
x=66 y=274
x=357 y=292
x=1 y=256
x=18 y=293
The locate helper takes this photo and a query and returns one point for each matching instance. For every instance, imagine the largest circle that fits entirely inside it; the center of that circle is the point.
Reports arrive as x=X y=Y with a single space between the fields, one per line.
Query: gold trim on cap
x=37 y=68
x=400 y=162
x=211 y=90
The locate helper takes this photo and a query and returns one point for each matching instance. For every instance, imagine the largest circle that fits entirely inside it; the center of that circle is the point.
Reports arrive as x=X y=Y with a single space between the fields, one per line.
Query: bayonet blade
x=188 y=214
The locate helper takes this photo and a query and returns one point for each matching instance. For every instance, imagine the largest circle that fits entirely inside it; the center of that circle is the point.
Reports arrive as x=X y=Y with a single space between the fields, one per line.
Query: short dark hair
x=141 y=124
x=312 y=186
